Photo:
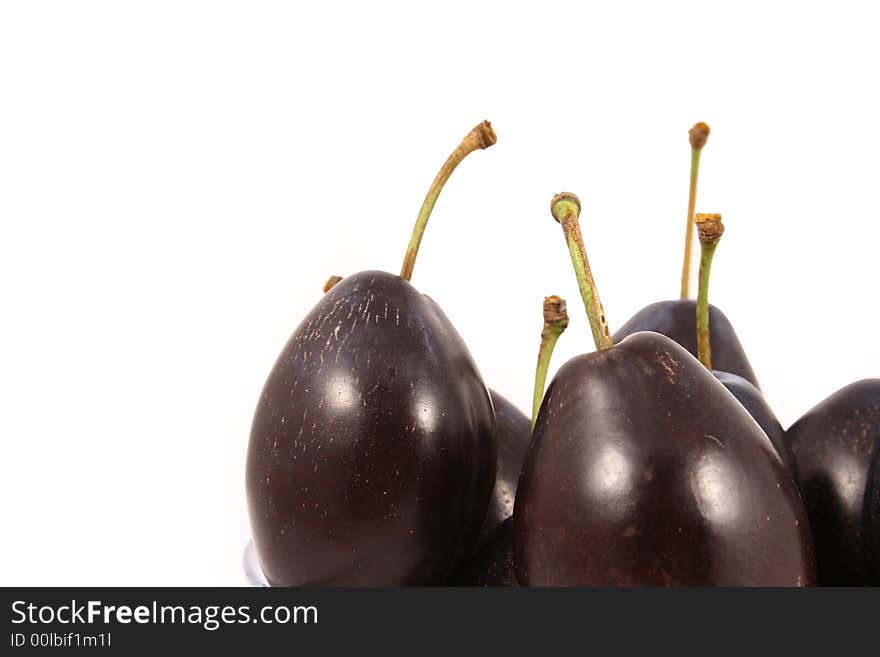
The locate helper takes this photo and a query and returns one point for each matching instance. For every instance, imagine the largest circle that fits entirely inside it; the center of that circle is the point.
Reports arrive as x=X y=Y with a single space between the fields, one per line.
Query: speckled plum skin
x=645 y=471
x=372 y=453
x=832 y=446
x=677 y=320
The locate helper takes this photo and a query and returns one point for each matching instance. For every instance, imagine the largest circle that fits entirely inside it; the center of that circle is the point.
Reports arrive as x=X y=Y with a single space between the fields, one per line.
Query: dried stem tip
x=333 y=280
x=709 y=227
x=482 y=135
x=699 y=134
x=565 y=204
x=555 y=322
x=555 y=312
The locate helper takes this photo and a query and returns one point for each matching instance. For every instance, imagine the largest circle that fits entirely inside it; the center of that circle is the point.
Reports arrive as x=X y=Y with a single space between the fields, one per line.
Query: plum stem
x=482 y=136
x=698 y=135
x=555 y=323
x=566 y=209
x=710 y=229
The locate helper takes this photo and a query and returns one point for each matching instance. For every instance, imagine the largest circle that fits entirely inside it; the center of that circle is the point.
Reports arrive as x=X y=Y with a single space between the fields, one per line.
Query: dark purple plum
x=492 y=566
x=832 y=445
x=644 y=471
x=871 y=521
x=513 y=434
x=675 y=320
x=753 y=401
x=372 y=453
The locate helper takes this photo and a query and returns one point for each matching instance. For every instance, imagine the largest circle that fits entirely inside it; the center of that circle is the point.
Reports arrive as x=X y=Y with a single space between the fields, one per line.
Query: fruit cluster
x=379 y=457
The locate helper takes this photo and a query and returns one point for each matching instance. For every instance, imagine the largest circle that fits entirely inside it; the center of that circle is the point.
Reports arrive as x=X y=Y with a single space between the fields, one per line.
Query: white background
x=178 y=179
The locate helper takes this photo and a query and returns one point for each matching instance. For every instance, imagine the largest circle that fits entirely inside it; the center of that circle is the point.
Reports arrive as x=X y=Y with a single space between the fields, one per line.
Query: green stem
x=555 y=323
x=566 y=209
x=710 y=229
x=697 y=136
x=482 y=136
